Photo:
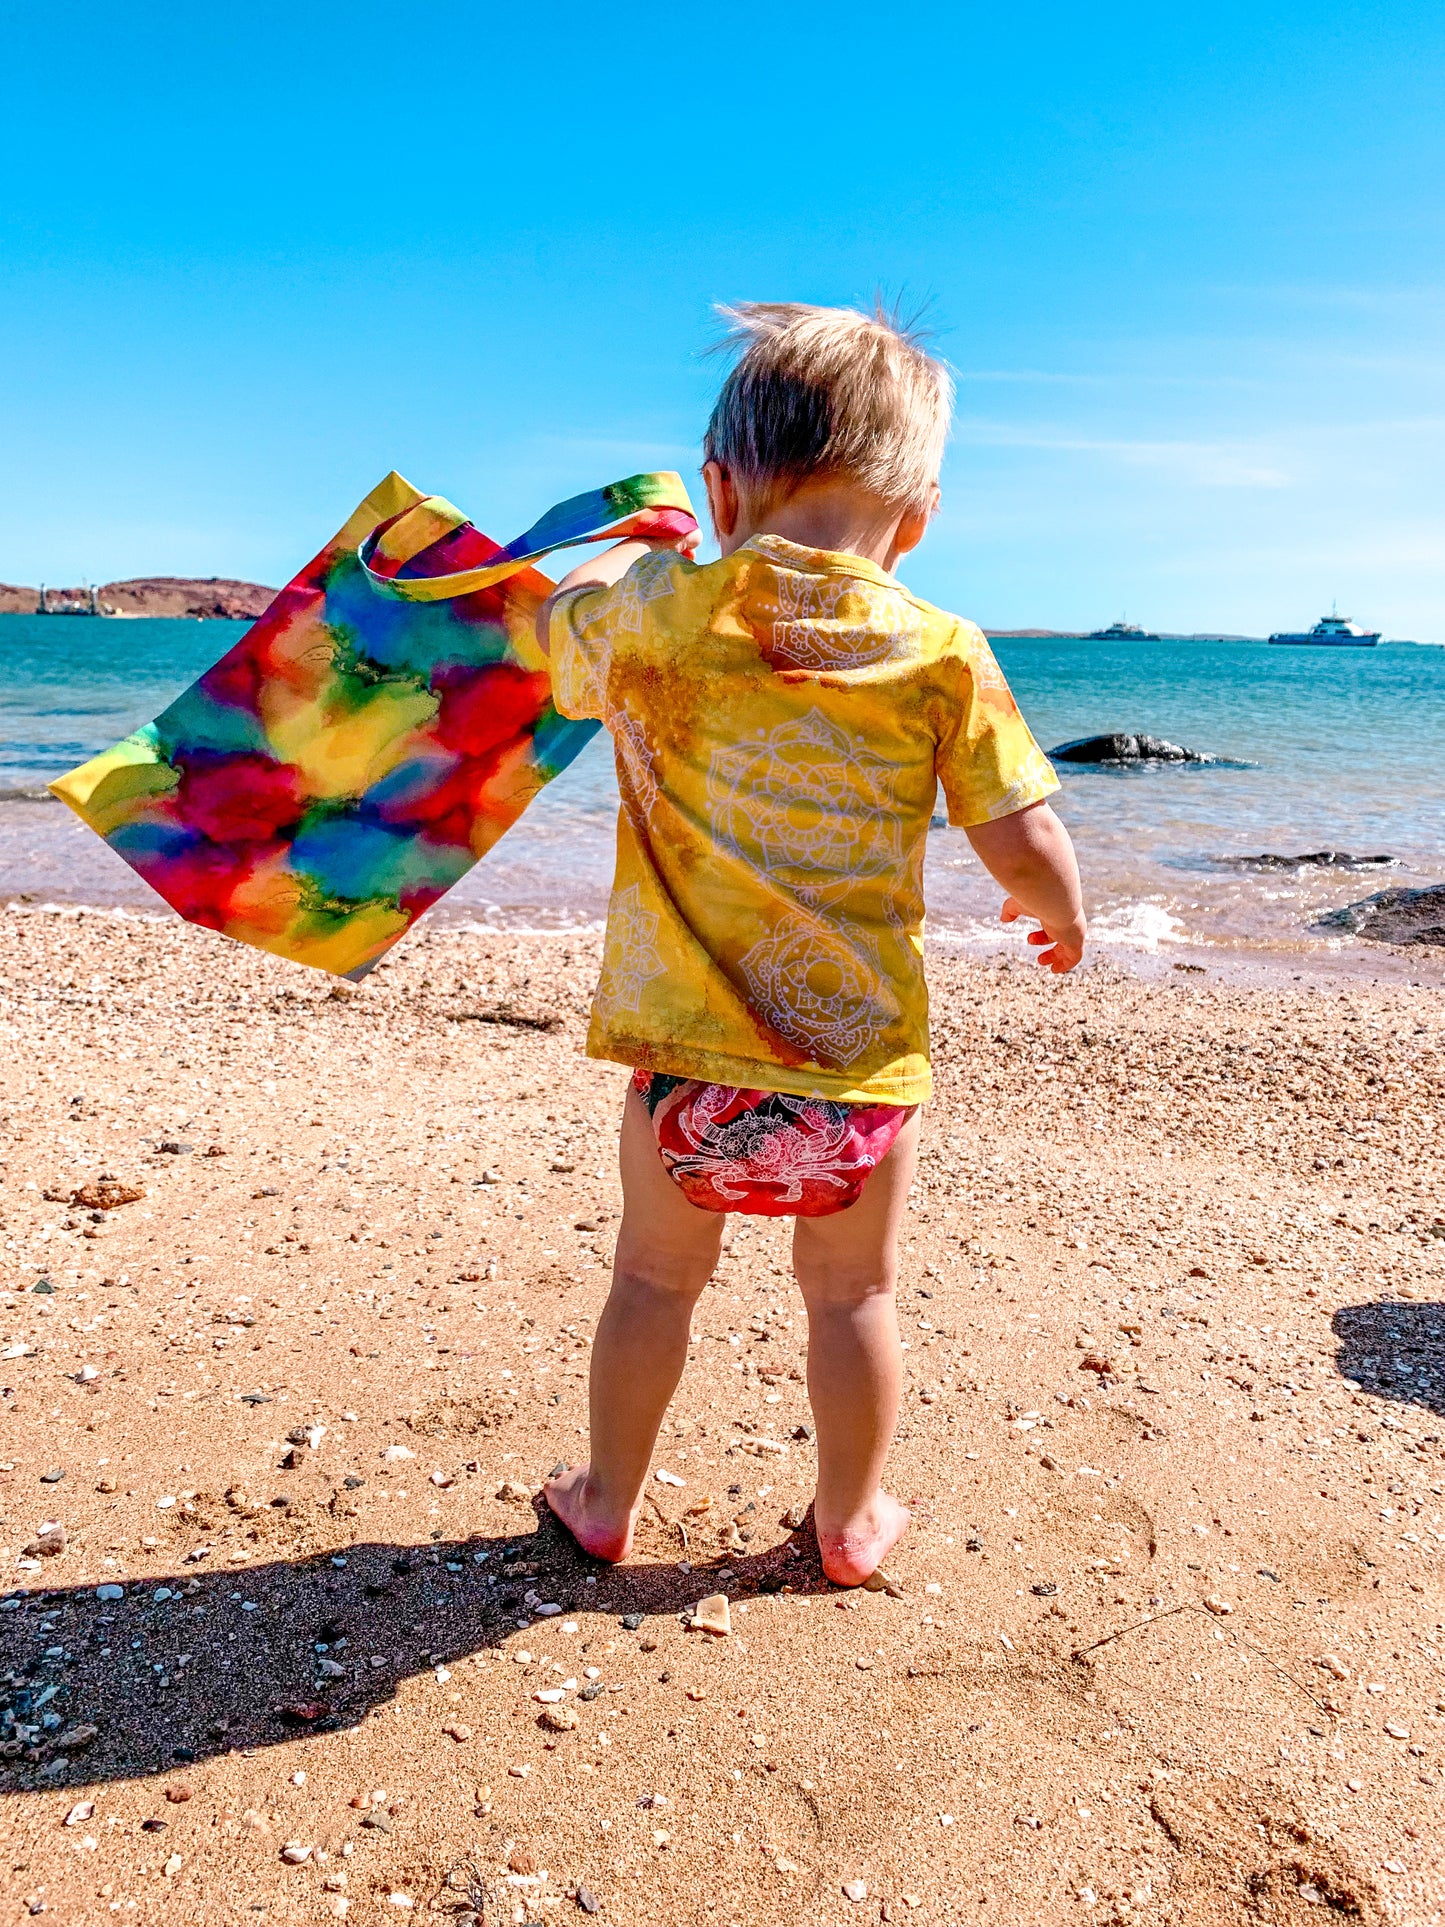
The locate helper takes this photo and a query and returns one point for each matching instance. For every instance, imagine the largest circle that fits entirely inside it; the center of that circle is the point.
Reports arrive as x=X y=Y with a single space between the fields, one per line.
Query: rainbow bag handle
x=369 y=738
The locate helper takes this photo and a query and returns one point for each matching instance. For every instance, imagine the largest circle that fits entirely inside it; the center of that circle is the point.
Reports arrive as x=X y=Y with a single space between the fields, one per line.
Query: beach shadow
x=1394 y=1351
x=144 y=1685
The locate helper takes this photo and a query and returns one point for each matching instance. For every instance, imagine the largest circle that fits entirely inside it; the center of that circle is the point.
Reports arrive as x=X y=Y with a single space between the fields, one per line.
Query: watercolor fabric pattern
x=368 y=739
x=782 y=720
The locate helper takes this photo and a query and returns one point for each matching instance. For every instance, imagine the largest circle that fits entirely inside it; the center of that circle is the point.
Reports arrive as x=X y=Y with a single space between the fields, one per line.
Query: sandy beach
x=298 y=1289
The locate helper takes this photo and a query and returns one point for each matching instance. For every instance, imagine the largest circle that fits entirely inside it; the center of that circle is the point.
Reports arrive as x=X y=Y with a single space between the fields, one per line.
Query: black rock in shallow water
x=1394 y=916
x=1320 y=859
x=1125 y=747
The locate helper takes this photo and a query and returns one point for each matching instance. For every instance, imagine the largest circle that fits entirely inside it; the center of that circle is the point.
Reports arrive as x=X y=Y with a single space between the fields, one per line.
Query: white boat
x=1330 y=632
x=1121 y=631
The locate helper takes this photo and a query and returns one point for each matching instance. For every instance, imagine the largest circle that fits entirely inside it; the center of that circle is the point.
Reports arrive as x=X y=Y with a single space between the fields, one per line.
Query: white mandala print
x=631 y=960
x=579 y=673
x=759 y=1148
x=983 y=665
x=818 y=993
x=807 y=804
x=839 y=622
x=648 y=580
x=636 y=764
x=1035 y=775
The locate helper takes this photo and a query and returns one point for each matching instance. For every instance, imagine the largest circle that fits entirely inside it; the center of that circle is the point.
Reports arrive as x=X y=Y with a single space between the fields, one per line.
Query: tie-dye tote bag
x=368 y=739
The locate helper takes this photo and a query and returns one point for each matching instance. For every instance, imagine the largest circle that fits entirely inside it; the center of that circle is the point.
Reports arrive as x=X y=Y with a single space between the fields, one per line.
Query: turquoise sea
x=1324 y=749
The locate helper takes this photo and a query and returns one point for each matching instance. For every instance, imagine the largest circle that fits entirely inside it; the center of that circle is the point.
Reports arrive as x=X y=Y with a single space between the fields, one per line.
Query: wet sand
x=1169 y=1640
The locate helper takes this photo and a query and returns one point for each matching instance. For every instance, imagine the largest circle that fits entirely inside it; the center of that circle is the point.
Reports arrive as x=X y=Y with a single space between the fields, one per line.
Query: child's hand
x=1065 y=939
x=685 y=545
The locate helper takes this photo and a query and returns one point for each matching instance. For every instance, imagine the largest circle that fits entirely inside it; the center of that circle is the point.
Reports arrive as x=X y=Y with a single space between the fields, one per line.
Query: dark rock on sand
x=1394 y=916
x=1310 y=859
x=1125 y=746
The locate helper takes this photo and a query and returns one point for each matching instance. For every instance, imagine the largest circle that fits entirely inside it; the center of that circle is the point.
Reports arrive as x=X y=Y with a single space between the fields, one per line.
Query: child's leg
x=847 y=1267
x=666 y=1252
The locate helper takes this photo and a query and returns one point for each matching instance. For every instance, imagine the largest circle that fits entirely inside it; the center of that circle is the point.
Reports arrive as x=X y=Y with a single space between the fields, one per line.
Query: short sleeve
x=588 y=623
x=987 y=761
x=581 y=650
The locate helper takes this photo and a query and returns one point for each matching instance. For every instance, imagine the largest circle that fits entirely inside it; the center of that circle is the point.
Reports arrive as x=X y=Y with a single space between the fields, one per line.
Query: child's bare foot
x=853 y=1552
x=604 y=1533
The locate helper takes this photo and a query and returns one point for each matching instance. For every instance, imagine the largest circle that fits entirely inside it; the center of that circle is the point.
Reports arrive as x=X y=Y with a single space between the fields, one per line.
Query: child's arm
x=1030 y=854
x=601 y=572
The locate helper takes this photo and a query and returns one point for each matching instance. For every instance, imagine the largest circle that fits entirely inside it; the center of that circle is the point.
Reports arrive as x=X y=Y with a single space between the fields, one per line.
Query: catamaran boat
x=1331 y=632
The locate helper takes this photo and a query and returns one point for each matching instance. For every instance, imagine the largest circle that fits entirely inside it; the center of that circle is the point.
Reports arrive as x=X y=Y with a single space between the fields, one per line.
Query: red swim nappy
x=766 y=1154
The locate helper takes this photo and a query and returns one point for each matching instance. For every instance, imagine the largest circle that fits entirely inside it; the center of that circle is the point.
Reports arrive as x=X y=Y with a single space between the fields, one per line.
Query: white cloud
x=1206 y=464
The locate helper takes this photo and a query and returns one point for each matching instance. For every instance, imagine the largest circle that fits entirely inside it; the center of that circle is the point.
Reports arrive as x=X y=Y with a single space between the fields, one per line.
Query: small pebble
x=713 y=1615
x=1218 y=1605
x=855 y=1890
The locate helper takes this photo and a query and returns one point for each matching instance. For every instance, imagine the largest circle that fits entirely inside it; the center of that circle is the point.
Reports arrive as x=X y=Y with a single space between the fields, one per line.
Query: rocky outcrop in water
x=1126 y=747
x=1395 y=916
x=1311 y=859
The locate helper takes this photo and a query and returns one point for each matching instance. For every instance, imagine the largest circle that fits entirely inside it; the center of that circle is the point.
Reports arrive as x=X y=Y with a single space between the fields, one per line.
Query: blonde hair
x=829 y=391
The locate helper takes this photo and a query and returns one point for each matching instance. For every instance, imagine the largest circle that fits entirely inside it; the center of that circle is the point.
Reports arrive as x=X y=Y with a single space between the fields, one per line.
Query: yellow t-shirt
x=781 y=719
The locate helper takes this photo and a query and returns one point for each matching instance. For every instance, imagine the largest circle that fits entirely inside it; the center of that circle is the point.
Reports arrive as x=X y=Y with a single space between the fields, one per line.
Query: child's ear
x=913 y=524
x=722 y=499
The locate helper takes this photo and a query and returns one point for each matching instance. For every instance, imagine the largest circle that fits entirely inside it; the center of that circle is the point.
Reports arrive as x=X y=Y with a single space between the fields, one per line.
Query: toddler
x=782 y=719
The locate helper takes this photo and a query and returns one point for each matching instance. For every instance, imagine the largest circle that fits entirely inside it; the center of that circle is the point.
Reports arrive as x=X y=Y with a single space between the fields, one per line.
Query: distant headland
x=215 y=597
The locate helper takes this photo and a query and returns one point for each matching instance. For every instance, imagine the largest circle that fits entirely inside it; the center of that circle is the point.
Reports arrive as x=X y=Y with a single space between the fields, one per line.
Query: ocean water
x=1321 y=749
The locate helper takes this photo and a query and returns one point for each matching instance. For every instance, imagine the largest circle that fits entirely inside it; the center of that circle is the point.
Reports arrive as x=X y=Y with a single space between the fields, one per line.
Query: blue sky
x=1187 y=263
